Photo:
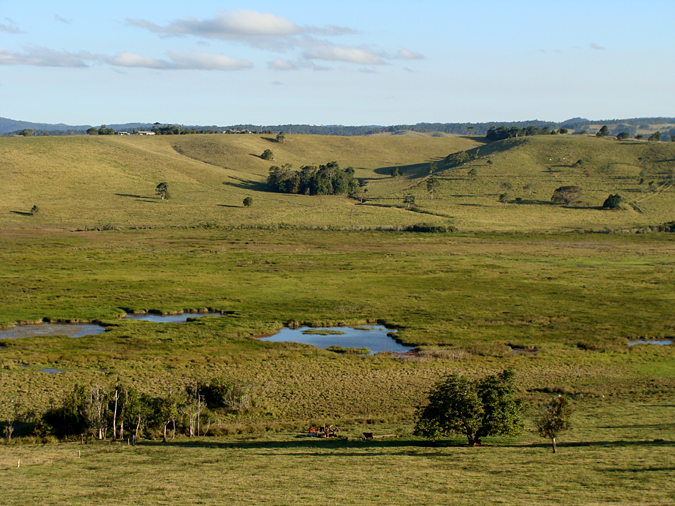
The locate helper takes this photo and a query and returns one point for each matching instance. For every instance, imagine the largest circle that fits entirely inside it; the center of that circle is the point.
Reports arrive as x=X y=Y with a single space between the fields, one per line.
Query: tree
x=457 y=158
x=162 y=189
x=281 y=137
x=623 y=136
x=433 y=167
x=639 y=136
x=477 y=409
x=612 y=202
x=554 y=419
x=409 y=200
x=267 y=155
x=603 y=132
x=473 y=173
x=92 y=131
x=655 y=137
x=563 y=130
x=105 y=131
x=431 y=185
x=34 y=210
x=248 y=201
x=529 y=187
x=395 y=172
x=567 y=194
x=27 y=132
x=504 y=198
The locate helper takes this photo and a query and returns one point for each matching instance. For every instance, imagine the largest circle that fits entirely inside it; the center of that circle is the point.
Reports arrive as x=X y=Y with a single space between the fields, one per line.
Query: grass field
x=521 y=286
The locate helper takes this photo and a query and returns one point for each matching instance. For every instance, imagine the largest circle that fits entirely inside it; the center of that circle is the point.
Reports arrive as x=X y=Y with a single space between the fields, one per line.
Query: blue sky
x=348 y=62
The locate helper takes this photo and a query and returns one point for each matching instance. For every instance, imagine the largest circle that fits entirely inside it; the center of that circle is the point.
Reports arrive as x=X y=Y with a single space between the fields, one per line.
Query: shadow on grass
x=20 y=213
x=232 y=207
x=246 y=184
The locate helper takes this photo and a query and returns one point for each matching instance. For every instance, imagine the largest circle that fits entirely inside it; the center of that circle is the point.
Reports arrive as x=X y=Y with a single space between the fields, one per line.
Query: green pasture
x=101 y=181
x=529 y=286
x=620 y=453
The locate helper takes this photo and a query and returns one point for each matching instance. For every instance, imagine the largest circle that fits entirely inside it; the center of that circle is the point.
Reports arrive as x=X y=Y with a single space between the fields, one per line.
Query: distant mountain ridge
x=9 y=126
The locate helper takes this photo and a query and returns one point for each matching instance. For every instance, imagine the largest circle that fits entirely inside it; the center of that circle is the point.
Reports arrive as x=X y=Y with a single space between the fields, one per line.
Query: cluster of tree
x=503 y=132
x=567 y=194
x=326 y=179
x=485 y=407
x=120 y=411
x=459 y=158
x=102 y=130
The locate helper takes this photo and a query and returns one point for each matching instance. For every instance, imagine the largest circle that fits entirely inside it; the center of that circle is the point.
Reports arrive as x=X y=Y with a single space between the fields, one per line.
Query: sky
x=335 y=62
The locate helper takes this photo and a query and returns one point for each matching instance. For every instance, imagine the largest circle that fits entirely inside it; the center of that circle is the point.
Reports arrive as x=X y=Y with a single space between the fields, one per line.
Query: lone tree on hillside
x=477 y=409
x=409 y=200
x=623 y=136
x=248 y=201
x=529 y=187
x=603 y=132
x=567 y=194
x=281 y=137
x=34 y=210
x=612 y=202
x=554 y=419
x=431 y=185
x=27 y=132
x=395 y=172
x=655 y=137
x=267 y=155
x=92 y=131
x=162 y=189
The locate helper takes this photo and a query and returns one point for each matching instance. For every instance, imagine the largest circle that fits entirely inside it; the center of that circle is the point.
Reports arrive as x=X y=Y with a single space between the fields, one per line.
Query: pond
x=663 y=342
x=170 y=318
x=53 y=329
x=374 y=338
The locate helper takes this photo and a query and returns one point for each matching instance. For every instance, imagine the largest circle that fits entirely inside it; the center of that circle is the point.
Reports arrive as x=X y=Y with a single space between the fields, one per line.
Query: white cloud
x=178 y=61
x=280 y=64
x=593 y=45
x=43 y=57
x=346 y=54
x=256 y=28
x=10 y=27
x=409 y=55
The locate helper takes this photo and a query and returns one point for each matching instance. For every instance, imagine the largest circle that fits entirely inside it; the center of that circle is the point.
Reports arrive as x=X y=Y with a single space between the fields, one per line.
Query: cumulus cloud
x=257 y=28
x=178 y=61
x=62 y=20
x=593 y=45
x=43 y=57
x=9 y=27
x=346 y=54
x=409 y=55
x=280 y=64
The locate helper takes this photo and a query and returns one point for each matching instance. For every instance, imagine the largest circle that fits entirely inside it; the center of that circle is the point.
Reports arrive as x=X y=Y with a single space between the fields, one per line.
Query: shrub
x=567 y=194
x=248 y=201
x=612 y=202
x=267 y=155
x=34 y=210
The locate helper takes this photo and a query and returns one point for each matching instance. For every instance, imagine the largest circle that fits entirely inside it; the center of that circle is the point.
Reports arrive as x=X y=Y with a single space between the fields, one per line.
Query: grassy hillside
x=80 y=182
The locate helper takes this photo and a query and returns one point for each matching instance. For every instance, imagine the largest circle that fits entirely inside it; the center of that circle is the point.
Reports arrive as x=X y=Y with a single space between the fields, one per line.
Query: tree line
x=326 y=179
x=119 y=410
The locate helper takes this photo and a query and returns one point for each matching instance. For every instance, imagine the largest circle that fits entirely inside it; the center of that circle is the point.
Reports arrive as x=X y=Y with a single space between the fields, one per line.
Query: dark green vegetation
x=326 y=179
x=523 y=287
x=477 y=409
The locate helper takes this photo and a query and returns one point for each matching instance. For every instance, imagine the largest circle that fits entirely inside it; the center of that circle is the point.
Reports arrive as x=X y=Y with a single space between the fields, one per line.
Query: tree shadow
x=21 y=213
x=246 y=184
x=593 y=444
x=231 y=207
x=270 y=139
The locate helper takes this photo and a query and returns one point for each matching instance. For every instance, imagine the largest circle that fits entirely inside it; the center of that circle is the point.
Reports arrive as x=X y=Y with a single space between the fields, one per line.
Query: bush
x=612 y=202
x=267 y=155
x=248 y=201
x=34 y=210
x=622 y=136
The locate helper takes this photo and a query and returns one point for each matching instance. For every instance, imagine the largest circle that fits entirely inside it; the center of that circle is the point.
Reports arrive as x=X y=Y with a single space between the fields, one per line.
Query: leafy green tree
x=105 y=131
x=409 y=200
x=563 y=130
x=92 y=131
x=267 y=155
x=162 y=189
x=554 y=419
x=623 y=136
x=603 y=132
x=504 y=198
x=433 y=167
x=27 y=132
x=655 y=137
x=477 y=409
x=281 y=137
x=567 y=194
x=639 y=136
x=458 y=158
x=612 y=202
x=248 y=201
x=473 y=173
x=34 y=210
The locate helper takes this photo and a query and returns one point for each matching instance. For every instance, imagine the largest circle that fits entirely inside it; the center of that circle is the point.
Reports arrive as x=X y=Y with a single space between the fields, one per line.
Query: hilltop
x=109 y=181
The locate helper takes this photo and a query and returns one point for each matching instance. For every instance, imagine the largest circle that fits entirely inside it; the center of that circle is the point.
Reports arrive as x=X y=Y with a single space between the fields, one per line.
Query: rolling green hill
x=85 y=182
